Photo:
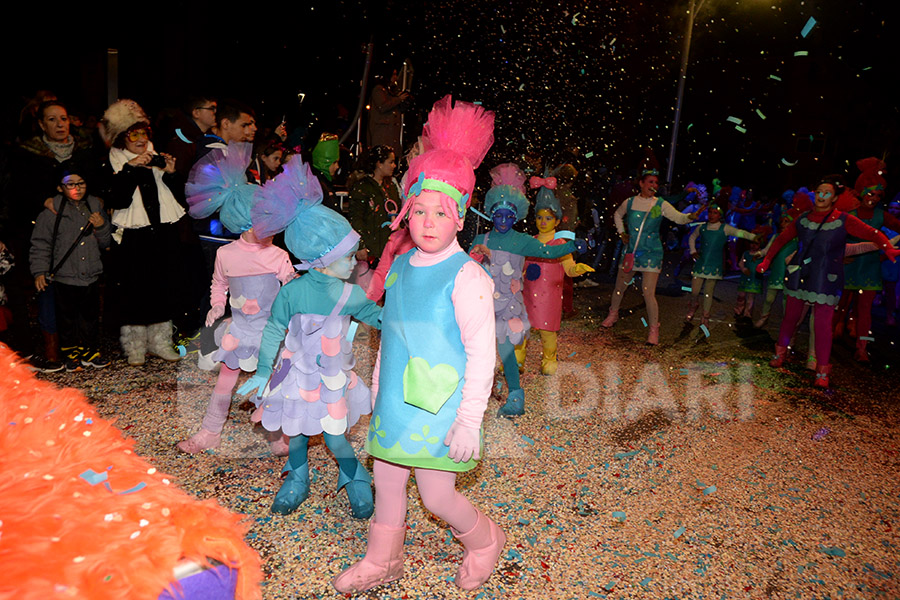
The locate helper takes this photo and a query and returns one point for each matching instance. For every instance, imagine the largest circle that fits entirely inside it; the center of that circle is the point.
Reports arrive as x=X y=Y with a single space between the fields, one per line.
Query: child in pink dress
x=251 y=269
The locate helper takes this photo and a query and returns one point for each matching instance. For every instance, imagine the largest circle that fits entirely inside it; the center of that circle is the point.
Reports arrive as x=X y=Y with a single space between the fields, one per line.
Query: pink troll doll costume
x=436 y=362
x=252 y=270
x=545 y=277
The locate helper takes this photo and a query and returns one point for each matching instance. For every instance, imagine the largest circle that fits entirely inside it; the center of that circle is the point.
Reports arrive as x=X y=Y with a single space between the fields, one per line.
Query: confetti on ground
x=561 y=479
x=820 y=434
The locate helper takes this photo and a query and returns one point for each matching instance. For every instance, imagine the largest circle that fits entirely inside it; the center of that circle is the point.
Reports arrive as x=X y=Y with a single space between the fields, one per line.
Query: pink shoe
x=382 y=564
x=279 y=447
x=200 y=441
x=653 y=336
x=483 y=544
x=610 y=319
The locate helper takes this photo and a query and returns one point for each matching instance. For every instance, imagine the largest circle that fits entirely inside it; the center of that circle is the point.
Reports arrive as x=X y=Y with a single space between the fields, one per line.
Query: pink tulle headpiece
x=455 y=141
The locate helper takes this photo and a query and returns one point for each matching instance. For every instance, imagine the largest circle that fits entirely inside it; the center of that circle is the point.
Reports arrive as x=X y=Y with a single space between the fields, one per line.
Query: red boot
x=861 y=354
x=822 y=373
x=382 y=564
x=780 y=356
x=483 y=543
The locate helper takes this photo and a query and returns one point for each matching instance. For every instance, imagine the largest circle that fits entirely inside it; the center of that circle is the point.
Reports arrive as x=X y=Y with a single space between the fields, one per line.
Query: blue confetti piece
x=709 y=490
x=760 y=114
x=734 y=120
x=740 y=129
x=573 y=354
x=705 y=330
x=621 y=455
x=619 y=516
x=644 y=321
x=686 y=288
x=588 y=154
x=528 y=439
x=683 y=371
x=609 y=586
x=351 y=331
x=678 y=532
x=93 y=477
x=645 y=581
x=89 y=421
x=182 y=351
x=478 y=102
x=808 y=27
x=866 y=338
x=775 y=77
x=182 y=137
x=801 y=53
x=587 y=366
x=832 y=551
x=807 y=260
x=385 y=224
x=787 y=163
x=564 y=235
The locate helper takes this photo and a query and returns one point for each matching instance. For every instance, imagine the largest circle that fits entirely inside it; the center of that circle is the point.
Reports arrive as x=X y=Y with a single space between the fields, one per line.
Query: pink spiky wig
x=456 y=140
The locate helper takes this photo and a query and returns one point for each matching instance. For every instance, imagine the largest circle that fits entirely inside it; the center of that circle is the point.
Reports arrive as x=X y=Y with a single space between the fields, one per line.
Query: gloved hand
x=763 y=266
x=580 y=246
x=892 y=253
x=214 y=314
x=464 y=443
x=581 y=269
x=257 y=382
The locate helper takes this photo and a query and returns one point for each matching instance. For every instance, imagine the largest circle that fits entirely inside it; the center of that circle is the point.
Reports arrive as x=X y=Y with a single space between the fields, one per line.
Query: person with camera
x=136 y=187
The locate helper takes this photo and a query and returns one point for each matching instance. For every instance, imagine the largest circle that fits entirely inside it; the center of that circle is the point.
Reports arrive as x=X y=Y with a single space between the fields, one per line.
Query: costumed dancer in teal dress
x=505 y=251
x=862 y=276
x=777 y=272
x=638 y=220
x=313 y=389
x=751 y=282
x=436 y=364
x=709 y=267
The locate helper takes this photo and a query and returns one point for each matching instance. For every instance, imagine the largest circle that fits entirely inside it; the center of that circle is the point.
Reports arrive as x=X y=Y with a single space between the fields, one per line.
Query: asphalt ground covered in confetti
x=689 y=470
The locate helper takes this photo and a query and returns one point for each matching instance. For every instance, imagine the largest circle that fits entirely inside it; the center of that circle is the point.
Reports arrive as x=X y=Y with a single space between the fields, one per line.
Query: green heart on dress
x=390 y=280
x=428 y=387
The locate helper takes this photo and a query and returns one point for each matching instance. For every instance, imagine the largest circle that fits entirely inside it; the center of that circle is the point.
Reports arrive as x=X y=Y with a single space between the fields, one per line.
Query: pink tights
x=822 y=315
x=437 y=489
x=220 y=401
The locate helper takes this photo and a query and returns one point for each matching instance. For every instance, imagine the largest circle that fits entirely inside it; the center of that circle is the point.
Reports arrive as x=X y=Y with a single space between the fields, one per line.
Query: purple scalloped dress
x=314 y=388
x=509 y=305
x=251 y=298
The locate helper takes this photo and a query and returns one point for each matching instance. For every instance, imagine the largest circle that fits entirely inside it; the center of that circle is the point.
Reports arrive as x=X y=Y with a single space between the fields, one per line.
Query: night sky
x=601 y=76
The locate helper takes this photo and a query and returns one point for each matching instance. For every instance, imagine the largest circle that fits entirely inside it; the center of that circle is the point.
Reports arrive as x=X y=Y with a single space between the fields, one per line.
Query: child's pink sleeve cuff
x=473 y=303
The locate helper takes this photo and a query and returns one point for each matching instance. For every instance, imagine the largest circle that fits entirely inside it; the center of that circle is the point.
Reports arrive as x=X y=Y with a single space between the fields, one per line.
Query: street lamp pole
x=682 y=78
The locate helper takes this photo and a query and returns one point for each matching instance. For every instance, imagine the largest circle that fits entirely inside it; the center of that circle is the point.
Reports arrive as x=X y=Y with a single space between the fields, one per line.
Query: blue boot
x=515 y=404
x=293 y=492
x=359 y=492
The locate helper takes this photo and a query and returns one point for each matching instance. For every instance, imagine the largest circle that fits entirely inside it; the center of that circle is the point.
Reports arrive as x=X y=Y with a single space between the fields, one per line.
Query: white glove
x=464 y=443
x=214 y=313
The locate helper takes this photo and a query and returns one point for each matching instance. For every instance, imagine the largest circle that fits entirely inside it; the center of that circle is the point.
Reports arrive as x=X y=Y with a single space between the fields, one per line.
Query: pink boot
x=610 y=319
x=200 y=441
x=653 y=336
x=483 y=544
x=382 y=564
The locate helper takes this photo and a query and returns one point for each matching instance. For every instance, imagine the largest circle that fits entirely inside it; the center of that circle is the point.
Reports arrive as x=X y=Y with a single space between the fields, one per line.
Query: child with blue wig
x=312 y=389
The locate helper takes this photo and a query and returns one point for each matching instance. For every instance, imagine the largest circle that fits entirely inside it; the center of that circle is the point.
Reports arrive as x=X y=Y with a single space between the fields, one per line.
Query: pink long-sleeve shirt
x=242 y=258
x=473 y=306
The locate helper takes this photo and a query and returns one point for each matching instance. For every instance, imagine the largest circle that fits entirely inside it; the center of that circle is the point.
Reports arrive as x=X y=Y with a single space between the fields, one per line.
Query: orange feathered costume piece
x=82 y=516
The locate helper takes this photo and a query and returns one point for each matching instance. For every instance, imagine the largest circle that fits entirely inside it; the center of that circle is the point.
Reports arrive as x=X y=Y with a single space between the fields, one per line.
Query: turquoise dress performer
x=637 y=221
x=777 y=272
x=505 y=251
x=709 y=267
x=436 y=364
x=313 y=389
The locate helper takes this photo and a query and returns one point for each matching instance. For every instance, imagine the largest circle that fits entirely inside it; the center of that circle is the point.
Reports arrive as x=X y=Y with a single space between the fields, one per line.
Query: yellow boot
x=548 y=358
x=521 y=351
